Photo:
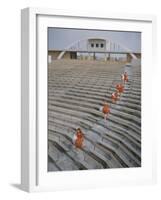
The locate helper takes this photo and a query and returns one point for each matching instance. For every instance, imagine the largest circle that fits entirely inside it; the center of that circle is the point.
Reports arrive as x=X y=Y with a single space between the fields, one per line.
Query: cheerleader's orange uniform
x=79 y=139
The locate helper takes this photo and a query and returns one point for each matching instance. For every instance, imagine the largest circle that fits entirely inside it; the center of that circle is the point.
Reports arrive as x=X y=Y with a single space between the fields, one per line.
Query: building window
x=102 y=45
x=92 y=45
x=97 y=45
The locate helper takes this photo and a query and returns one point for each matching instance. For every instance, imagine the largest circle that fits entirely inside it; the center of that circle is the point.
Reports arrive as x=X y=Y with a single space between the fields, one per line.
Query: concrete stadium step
x=106 y=160
x=97 y=107
x=127 y=123
x=101 y=100
x=65 y=163
x=96 y=151
x=98 y=114
x=77 y=99
x=86 y=122
x=111 y=144
x=74 y=99
x=107 y=89
x=90 y=117
x=107 y=92
x=123 y=156
x=117 y=106
x=105 y=98
x=98 y=93
x=80 y=159
x=52 y=166
x=101 y=132
x=92 y=74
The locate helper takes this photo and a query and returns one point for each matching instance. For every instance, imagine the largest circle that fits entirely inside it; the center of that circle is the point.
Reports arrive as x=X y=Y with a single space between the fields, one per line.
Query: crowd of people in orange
x=79 y=135
x=115 y=96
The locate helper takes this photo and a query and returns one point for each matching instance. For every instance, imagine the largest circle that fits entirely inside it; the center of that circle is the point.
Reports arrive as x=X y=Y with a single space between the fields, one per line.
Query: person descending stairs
x=106 y=110
x=115 y=96
x=124 y=77
x=78 y=138
x=120 y=89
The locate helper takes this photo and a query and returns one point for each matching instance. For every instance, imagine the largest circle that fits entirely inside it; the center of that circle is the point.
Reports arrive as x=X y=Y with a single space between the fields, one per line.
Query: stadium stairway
x=76 y=91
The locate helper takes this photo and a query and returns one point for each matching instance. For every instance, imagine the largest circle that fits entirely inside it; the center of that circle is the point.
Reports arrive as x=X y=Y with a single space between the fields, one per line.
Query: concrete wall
x=53 y=55
x=129 y=57
x=96 y=42
x=66 y=55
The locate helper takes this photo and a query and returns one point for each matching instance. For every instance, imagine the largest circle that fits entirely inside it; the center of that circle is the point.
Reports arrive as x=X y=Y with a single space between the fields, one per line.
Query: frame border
x=29 y=144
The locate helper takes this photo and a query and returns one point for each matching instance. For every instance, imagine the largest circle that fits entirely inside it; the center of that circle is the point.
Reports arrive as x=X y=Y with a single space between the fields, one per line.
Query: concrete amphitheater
x=76 y=90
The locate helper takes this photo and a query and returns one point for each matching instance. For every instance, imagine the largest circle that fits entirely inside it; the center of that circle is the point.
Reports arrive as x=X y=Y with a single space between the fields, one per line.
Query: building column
x=105 y=57
x=89 y=58
x=94 y=56
x=129 y=57
x=109 y=56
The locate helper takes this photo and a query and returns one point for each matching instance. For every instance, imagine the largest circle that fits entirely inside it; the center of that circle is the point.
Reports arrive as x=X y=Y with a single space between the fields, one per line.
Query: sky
x=60 y=38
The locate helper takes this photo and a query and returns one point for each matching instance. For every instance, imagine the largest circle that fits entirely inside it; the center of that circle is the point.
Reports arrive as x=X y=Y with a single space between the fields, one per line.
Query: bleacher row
x=76 y=90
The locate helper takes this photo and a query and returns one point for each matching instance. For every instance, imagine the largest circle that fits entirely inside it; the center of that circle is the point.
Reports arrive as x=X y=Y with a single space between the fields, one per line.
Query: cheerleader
x=124 y=77
x=120 y=88
x=114 y=96
x=106 y=110
x=78 y=138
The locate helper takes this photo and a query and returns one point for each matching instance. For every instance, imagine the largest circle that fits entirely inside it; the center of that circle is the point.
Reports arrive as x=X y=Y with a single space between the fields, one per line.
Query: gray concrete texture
x=76 y=91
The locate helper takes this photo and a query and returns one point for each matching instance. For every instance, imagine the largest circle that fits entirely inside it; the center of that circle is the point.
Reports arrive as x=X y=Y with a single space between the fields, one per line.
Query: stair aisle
x=76 y=91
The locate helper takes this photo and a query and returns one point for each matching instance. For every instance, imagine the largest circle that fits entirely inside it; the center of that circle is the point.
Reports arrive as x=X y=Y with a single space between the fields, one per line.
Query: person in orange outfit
x=114 y=96
x=124 y=77
x=106 y=110
x=79 y=138
x=120 y=88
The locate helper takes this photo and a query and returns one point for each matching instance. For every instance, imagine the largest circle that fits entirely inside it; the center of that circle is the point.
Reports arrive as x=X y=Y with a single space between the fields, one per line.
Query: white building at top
x=96 y=45
x=93 y=49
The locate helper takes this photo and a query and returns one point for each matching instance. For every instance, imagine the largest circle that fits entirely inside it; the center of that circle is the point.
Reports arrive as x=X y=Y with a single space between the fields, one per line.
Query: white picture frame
x=34 y=176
